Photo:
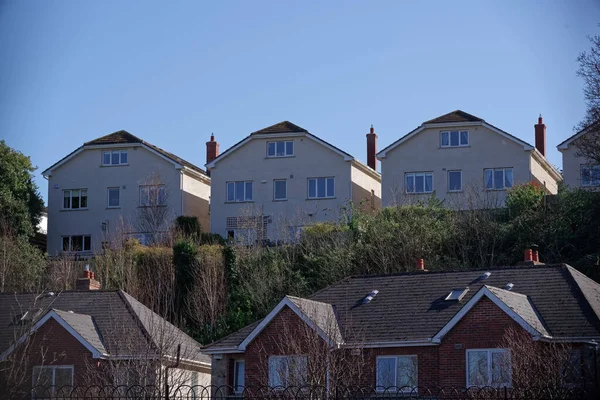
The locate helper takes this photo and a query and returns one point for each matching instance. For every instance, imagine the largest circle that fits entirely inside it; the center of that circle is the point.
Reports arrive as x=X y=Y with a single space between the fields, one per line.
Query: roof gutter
x=569 y=339
x=396 y=343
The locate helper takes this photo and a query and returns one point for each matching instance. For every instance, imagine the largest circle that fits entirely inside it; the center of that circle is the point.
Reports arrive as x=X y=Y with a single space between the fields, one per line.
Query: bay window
x=419 y=182
x=488 y=367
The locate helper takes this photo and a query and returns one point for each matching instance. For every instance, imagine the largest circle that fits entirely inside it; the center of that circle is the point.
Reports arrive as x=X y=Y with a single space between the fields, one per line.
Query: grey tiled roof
x=522 y=306
x=454 y=116
x=411 y=306
x=281 y=127
x=322 y=315
x=124 y=326
x=84 y=325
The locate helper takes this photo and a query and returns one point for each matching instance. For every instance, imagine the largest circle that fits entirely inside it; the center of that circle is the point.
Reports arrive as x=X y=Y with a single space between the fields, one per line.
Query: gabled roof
x=567 y=142
x=281 y=127
x=112 y=322
x=454 y=118
x=123 y=137
x=555 y=301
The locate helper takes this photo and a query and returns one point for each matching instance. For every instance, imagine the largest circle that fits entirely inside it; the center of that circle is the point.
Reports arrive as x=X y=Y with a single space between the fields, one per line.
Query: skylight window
x=457 y=294
x=509 y=286
x=486 y=275
x=370 y=296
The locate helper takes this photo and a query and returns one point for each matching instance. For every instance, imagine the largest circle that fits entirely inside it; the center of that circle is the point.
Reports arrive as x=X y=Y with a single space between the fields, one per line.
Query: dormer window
x=115 y=157
x=280 y=149
x=454 y=138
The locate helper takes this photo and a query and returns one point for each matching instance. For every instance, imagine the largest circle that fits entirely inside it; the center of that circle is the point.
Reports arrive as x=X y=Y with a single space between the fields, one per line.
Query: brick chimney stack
x=372 y=149
x=421 y=264
x=540 y=136
x=87 y=281
x=212 y=150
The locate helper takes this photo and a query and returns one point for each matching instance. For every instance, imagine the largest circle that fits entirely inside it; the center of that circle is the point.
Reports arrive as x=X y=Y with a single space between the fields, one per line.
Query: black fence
x=306 y=393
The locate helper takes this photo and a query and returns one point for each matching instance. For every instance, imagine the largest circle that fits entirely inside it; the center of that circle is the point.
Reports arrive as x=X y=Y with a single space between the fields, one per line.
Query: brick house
x=90 y=336
x=420 y=330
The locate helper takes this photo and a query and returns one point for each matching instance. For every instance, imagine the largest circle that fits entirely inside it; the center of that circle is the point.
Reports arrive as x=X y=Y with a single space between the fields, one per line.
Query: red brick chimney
x=212 y=149
x=87 y=281
x=421 y=265
x=372 y=149
x=540 y=136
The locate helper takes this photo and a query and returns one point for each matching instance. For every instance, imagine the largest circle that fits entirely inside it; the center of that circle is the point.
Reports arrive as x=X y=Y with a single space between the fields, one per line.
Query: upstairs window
x=287 y=371
x=454 y=138
x=115 y=157
x=590 y=175
x=397 y=372
x=419 y=182
x=498 y=178
x=280 y=149
x=77 y=243
x=489 y=367
x=153 y=195
x=74 y=199
x=240 y=191
x=321 y=188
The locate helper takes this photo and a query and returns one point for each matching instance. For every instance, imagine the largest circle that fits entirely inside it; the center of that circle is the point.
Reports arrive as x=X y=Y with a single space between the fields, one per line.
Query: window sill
x=113 y=208
x=279 y=200
x=453 y=147
x=321 y=198
x=276 y=157
x=113 y=165
x=73 y=209
x=239 y=202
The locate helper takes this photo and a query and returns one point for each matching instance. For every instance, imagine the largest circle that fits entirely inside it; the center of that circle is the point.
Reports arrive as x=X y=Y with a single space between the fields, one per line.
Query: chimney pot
x=420 y=264
x=87 y=281
x=372 y=149
x=540 y=136
x=528 y=255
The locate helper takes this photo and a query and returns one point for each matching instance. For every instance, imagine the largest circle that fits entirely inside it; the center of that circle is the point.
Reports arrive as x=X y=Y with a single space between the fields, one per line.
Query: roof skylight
x=370 y=296
x=457 y=294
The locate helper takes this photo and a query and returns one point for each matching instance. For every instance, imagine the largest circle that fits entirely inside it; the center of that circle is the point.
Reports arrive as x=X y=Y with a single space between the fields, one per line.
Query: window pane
x=239 y=191
x=406 y=371
x=162 y=196
x=410 y=183
x=152 y=195
x=454 y=181
x=271 y=149
x=280 y=149
x=429 y=183
x=477 y=368
x=65 y=243
x=238 y=384
x=63 y=376
x=595 y=175
x=277 y=371
x=106 y=159
x=445 y=139
x=330 y=187
x=500 y=368
x=42 y=379
x=385 y=372
x=230 y=191
x=144 y=200
x=508 y=178
x=454 y=138
x=320 y=187
x=419 y=183
x=115 y=157
x=489 y=178
x=280 y=190
x=87 y=243
x=312 y=188
x=76 y=243
x=113 y=197
x=123 y=157
x=249 y=193
x=67 y=199
x=84 y=199
x=498 y=178
x=74 y=198
x=289 y=148
x=464 y=138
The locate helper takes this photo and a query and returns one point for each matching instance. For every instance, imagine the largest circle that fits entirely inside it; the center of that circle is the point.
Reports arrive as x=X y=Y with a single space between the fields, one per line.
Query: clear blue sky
x=173 y=72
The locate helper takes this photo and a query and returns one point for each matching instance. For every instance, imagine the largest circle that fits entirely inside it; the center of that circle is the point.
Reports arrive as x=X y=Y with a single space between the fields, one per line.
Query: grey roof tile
x=522 y=306
x=84 y=325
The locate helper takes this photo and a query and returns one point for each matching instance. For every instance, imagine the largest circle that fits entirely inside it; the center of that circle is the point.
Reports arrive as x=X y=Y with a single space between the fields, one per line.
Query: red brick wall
x=443 y=365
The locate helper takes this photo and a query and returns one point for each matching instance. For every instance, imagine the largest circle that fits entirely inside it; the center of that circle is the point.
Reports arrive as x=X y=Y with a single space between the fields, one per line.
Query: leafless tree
x=154 y=215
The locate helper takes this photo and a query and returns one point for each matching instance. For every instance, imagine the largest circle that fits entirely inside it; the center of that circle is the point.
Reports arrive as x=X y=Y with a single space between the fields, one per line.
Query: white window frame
x=395 y=358
x=414 y=175
x=287 y=371
x=150 y=203
x=591 y=168
x=71 y=199
x=235 y=384
x=235 y=200
x=110 y=153
x=108 y=190
x=275 y=191
x=285 y=148
x=489 y=351
x=53 y=368
x=504 y=187
x=316 y=180
x=70 y=250
x=461 y=181
x=449 y=133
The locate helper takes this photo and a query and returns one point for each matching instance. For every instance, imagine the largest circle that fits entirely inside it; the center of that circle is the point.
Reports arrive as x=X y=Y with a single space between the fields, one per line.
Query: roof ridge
x=506 y=291
x=573 y=281
x=122 y=295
